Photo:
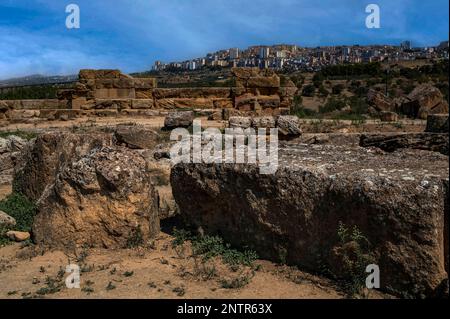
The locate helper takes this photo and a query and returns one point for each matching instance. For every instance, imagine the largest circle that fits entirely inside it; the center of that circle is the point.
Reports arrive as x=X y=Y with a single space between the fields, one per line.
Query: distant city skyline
x=132 y=35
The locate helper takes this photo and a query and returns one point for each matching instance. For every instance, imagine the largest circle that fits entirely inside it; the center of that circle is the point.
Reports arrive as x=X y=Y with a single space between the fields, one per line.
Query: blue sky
x=132 y=34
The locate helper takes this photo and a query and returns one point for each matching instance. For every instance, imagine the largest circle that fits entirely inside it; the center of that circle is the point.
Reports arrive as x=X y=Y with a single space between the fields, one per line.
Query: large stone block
x=49 y=153
x=192 y=93
x=104 y=199
x=88 y=74
x=294 y=215
x=176 y=103
x=144 y=83
x=142 y=104
x=115 y=94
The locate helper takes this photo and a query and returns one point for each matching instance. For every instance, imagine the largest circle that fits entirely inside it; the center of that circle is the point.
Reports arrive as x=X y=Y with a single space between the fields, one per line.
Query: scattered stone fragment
x=18 y=236
x=179 y=119
x=288 y=126
x=437 y=123
x=240 y=122
x=6 y=220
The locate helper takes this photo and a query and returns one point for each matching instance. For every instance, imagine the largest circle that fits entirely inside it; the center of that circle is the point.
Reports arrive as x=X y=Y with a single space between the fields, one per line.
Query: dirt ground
x=158 y=270
x=146 y=273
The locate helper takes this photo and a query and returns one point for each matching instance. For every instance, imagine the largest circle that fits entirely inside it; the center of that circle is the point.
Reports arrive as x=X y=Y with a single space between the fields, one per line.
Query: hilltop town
x=289 y=58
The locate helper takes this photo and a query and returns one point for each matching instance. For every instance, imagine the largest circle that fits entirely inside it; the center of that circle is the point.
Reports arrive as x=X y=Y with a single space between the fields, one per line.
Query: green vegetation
x=352 y=70
x=309 y=90
x=236 y=283
x=332 y=104
x=214 y=246
x=21 y=209
x=354 y=258
x=22 y=134
x=35 y=92
x=135 y=238
x=337 y=89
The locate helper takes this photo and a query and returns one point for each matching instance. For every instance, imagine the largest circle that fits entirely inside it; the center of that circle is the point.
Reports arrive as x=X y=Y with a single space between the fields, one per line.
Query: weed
x=87 y=290
x=180 y=291
x=52 y=286
x=236 y=283
x=354 y=258
x=151 y=284
x=214 y=246
x=110 y=286
x=135 y=238
x=128 y=273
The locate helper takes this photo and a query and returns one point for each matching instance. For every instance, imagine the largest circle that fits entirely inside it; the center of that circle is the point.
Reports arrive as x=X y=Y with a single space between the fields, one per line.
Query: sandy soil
x=156 y=272
x=5 y=190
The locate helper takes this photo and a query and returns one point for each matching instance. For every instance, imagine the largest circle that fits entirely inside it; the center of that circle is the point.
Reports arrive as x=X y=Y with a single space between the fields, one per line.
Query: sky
x=131 y=34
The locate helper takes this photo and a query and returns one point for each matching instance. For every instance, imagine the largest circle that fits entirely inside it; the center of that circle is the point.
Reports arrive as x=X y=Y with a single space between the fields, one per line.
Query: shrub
x=332 y=105
x=308 y=90
x=21 y=209
x=337 y=89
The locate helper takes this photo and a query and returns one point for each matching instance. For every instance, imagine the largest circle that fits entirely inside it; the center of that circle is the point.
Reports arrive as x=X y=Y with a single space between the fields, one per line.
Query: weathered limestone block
x=393 y=142
x=144 y=93
x=112 y=104
x=136 y=137
x=178 y=119
x=105 y=199
x=89 y=74
x=48 y=154
x=192 y=93
x=114 y=94
x=423 y=100
x=387 y=116
x=288 y=126
x=223 y=103
x=183 y=103
x=142 y=104
x=379 y=101
x=144 y=83
x=293 y=215
x=263 y=122
x=240 y=122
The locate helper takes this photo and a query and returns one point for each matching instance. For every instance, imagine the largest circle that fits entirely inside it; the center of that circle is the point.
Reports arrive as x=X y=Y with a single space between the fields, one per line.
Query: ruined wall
x=112 y=93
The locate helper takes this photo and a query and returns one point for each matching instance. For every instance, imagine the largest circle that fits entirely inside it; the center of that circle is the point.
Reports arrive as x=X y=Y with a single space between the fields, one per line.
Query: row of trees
x=35 y=92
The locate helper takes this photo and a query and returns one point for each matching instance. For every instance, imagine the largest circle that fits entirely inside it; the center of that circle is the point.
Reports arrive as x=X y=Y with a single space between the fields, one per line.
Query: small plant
x=181 y=236
x=354 y=257
x=151 y=284
x=52 y=286
x=236 y=283
x=110 y=286
x=88 y=289
x=128 y=273
x=135 y=239
x=180 y=291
